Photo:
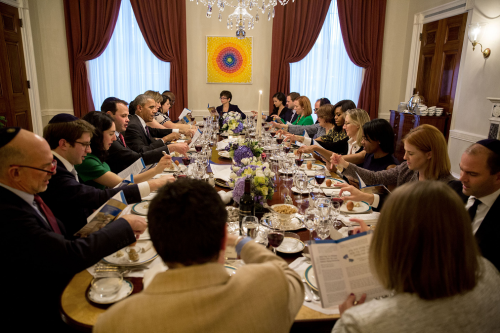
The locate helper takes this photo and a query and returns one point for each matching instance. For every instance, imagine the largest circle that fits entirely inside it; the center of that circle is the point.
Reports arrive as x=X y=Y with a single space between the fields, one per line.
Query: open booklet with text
x=341 y=267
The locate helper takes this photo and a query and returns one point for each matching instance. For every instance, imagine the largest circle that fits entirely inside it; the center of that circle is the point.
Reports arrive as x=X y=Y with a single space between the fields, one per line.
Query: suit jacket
x=137 y=140
x=487 y=234
x=285 y=115
x=72 y=202
x=263 y=296
x=43 y=262
x=121 y=157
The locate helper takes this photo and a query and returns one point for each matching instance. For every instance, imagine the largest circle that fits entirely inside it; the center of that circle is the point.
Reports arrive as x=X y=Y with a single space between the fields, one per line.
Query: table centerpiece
x=232 y=123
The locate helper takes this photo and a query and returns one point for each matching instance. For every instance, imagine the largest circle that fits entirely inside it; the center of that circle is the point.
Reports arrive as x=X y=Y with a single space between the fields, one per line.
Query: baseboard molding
x=466 y=136
x=384 y=115
x=53 y=112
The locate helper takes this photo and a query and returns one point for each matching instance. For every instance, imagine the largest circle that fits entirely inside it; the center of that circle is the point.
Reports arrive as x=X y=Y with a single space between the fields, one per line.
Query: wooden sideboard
x=402 y=123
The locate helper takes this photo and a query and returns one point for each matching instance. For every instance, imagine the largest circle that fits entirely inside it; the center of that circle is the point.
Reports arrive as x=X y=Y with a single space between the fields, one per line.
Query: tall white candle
x=259 y=115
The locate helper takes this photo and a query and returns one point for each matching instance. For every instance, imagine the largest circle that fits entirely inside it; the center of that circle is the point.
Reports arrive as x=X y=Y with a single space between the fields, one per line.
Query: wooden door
x=14 y=99
x=440 y=52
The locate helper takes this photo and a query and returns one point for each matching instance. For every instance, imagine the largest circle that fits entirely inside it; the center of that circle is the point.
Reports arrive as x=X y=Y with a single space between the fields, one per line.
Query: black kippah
x=62 y=118
x=7 y=134
x=491 y=144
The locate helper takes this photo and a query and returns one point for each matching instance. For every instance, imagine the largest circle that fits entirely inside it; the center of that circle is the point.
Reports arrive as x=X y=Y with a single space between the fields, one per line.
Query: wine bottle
x=246 y=204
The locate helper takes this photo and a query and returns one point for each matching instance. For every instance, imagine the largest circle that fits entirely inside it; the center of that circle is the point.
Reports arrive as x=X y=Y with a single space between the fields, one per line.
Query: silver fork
x=306 y=296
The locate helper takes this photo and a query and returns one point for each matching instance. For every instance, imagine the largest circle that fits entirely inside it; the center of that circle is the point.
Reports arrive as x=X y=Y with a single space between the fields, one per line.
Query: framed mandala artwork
x=229 y=60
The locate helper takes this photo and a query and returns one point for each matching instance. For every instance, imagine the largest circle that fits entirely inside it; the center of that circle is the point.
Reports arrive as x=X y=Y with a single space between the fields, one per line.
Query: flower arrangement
x=262 y=179
x=232 y=123
x=243 y=150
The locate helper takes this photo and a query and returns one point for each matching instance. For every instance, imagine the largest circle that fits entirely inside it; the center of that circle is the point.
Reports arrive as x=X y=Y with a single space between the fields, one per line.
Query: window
x=327 y=70
x=127 y=67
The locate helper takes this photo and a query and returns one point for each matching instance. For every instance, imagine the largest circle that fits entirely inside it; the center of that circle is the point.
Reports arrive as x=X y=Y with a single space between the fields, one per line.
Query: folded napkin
x=300 y=265
x=371 y=218
x=221 y=171
x=221 y=145
x=226 y=196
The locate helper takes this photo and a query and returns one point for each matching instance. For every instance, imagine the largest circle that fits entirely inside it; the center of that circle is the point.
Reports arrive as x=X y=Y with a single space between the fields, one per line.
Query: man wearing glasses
x=72 y=202
x=41 y=253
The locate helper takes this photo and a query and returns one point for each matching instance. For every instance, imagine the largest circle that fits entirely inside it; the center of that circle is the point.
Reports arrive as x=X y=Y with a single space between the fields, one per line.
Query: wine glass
x=310 y=220
x=323 y=228
x=301 y=182
x=320 y=177
x=250 y=225
x=275 y=236
x=336 y=203
x=323 y=206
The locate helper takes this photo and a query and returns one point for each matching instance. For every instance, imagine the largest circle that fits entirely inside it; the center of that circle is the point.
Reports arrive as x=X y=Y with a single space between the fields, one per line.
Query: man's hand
x=155 y=184
x=180 y=147
x=171 y=137
x=137 y=223
x=350 y=302
x=164 y=162
x=306 y=149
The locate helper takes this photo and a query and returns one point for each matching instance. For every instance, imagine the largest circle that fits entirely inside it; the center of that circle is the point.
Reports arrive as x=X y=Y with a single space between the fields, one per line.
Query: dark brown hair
x=69 y=131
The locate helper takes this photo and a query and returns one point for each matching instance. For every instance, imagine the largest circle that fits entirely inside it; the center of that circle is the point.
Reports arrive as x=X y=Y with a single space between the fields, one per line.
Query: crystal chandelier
x=241 y=18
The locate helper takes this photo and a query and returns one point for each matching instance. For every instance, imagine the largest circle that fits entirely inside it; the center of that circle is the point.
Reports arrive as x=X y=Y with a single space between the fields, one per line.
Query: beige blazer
x=263 y=296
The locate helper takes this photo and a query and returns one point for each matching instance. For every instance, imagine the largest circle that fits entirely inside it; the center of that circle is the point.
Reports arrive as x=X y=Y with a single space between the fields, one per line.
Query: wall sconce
x=475 y=35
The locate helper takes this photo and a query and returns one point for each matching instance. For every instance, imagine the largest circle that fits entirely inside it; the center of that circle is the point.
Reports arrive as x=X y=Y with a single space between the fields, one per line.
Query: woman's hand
x=362 y=226
x=293 y=138
x=275 y=116
x=282 y=133
x=355 y=194
x=350 y=302
x=306 y=149
x=337 y=159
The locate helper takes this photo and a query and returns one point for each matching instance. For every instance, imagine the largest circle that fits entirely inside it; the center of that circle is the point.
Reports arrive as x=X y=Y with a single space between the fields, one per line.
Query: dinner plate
x=314 y=167
x=296 y=190
x=283 y=171
x=363 y=208
x=307 y=157
x=291 y=245
x=224 y=154
x=231 y=270
x=311 y=278
x=124 y=291
x=323 y=186
x=141 y=208
x=120 y=258
x=177 y=168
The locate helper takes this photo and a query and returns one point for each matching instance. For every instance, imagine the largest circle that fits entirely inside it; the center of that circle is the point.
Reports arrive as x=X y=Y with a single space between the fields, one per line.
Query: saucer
x=124 y=291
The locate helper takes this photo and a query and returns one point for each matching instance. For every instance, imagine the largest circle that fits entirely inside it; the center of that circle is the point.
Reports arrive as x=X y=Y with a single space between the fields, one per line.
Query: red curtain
x=163 y=25
x=296 y=27
x=89 y=27
x=362 y=25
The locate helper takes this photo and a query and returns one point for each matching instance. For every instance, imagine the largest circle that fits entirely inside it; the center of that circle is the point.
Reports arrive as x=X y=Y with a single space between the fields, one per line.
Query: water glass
x=250 y=226
x=323 y=228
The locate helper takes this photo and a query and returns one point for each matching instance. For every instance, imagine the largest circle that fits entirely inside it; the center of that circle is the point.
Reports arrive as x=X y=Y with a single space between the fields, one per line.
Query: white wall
x=51 y=57
x=201 y=93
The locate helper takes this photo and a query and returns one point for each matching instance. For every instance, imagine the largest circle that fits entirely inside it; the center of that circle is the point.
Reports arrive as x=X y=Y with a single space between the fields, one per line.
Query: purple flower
x=239 y=189
x=241 y=153
x=239 y=128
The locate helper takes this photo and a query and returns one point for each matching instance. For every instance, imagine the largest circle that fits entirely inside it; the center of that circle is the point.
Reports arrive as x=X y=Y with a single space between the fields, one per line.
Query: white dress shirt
x=482 y=209
x=70 y=167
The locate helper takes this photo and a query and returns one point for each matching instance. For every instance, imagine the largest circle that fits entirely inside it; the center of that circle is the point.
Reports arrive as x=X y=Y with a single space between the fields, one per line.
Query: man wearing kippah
x=40 y=256
x=480 y=177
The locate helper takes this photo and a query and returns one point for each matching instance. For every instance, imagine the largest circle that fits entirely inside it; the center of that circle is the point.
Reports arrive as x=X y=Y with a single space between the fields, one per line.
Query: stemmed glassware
x=301 y=182
x=323 y=228
x=320 y=177
x=310 y=220
x=250 y=225
x=275 y=236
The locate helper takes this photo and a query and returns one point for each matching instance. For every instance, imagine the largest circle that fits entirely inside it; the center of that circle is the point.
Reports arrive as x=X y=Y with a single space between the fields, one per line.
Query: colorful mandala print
x=229 y=60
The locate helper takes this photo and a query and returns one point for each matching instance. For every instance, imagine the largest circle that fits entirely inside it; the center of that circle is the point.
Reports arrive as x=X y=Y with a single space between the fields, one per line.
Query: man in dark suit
x=69 y=139
x=480 y=177
x=290 y=99
x=44 y=255
x=142 y=138
x=120 y=156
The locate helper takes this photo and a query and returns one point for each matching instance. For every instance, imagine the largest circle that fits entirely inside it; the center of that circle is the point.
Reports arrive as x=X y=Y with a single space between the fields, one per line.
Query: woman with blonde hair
x=426 y=158
x=353 y=126
x=424 y=252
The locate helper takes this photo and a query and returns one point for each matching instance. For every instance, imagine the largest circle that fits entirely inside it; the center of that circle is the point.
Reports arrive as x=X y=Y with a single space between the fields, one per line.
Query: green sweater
x=92 y=168
x=304 y=121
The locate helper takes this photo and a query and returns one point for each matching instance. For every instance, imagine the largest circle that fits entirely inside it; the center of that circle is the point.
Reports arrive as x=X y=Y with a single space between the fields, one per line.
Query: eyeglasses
x=315 y=109
x=223 y=97
x=52 y=167
x=86 y=145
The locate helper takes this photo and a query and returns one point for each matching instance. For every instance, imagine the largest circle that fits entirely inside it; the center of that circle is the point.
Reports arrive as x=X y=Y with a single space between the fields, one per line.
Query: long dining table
x=78 y=312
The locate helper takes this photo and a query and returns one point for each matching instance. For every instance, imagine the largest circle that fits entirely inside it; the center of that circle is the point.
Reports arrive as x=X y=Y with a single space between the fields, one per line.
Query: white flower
x=265 y=164
x=245 y=161
x=271 y=174
x=235 y=168
x=233 y=175
x=267 y=172
x=259 y=173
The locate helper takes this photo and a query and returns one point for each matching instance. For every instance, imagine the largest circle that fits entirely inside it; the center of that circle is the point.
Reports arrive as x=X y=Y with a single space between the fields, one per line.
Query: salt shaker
x=211 y=179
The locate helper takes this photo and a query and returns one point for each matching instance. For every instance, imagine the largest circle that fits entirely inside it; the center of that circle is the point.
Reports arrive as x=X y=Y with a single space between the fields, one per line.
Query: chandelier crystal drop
x=241 y=17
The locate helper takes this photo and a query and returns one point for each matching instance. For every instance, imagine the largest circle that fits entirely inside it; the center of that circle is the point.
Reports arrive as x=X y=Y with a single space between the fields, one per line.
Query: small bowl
x=106 y=284
x=285 y=218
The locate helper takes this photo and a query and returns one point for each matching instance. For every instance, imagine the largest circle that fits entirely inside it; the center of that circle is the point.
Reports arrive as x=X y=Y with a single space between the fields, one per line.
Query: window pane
x=327 y=70
x=127 y=67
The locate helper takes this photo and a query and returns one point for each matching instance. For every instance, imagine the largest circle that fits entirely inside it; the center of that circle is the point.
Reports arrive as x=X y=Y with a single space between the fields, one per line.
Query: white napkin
x=150 y=196
x=222 y=171
x=221 y=145
x=226 y=196
x=300 y=265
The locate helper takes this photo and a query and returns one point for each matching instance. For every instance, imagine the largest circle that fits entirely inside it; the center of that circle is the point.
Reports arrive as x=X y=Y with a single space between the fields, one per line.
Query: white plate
x=294 y=224
x=230 y=270
x=141 y=208
x=323 y=186
x=145 y=235
x=124 y=291
x=296 y=190
x=307 y=157
x=283 y=171
x=315 y=167
x=177 y=168
x=145 y=257
x=311 y=278
x=363 y=208
x=291 y=245
x=224 y=154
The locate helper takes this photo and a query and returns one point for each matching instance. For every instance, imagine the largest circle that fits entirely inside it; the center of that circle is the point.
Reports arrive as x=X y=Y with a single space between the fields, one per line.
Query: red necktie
x=48 y=214
x=123 y=139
